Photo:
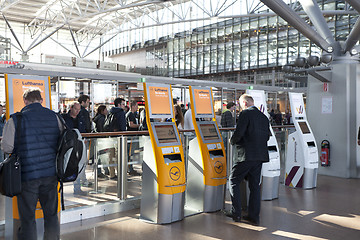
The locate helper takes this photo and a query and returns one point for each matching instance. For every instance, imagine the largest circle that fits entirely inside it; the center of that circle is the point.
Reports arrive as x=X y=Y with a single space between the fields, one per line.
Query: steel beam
x=289 y=15
x=353 y=37
x=313 y=11
x=355 y=4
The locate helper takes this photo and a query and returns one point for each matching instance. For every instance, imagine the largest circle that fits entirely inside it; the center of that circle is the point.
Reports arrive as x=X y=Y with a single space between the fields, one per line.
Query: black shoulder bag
x=10 y=168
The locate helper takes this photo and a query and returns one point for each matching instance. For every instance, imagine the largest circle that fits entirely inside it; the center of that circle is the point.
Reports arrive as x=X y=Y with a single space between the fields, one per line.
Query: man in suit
x=250 y=137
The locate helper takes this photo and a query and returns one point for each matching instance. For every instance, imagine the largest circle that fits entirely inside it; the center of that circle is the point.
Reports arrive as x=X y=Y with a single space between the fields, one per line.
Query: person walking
x=250 y=137
x=120 y=125
x=99 y=121
x=84 y=115
x=37 y=147
x=132 y=124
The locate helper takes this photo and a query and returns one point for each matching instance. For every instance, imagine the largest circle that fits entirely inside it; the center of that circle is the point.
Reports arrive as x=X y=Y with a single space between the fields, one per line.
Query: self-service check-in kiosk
x=206 y=172
x=271 y=170
x=163 y=178
x=302 y=156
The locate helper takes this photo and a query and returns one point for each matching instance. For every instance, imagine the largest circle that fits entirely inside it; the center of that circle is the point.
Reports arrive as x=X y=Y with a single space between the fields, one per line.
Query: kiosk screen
x=166 y=134
x=209 y=132
x=304 y=127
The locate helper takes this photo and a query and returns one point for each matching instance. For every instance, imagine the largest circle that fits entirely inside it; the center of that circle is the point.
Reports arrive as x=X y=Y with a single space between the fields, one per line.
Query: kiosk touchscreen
x=206 y=176
x=302 y=156
x=271 y=170
x=163 y=179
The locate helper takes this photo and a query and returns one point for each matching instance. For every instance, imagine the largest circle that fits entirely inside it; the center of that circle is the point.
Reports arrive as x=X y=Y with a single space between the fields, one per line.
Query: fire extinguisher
x=325 y=153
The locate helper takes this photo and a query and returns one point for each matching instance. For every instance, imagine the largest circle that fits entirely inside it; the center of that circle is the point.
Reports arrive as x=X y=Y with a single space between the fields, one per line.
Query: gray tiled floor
x=331 y=211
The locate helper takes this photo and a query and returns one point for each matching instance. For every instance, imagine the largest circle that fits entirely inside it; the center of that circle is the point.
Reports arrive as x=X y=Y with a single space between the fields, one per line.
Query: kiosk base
x=310 y=178
x=269 y=188
x=200 y=197
x=156 y=207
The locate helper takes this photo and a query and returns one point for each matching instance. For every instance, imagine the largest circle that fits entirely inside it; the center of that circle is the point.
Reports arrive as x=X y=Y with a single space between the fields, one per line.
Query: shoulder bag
x=10 y=168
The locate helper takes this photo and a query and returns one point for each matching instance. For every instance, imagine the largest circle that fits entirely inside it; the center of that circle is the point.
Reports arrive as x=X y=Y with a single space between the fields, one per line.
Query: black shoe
x=103 y=176
x=87 y=184
x=134 y=173
x=231 y=215
x=251 y=221
x=114 y=178
x=80 y=192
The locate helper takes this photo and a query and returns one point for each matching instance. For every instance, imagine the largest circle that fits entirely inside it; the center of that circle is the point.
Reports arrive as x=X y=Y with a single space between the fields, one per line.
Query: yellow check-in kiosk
x=163 y=178
x=15 y=86
x=206 y=172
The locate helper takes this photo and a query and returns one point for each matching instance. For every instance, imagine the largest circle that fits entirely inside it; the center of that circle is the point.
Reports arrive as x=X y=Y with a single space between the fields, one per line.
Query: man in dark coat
x=120 y=125
x=250 y=137
x=84 y=115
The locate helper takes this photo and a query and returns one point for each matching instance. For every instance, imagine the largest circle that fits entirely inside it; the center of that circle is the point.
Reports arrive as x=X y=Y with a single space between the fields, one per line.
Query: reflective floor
x=331 y=211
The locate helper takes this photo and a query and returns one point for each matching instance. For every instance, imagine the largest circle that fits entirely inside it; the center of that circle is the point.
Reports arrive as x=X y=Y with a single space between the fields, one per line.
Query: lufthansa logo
x=175 y=173
x=218 y=166
x=16 y=82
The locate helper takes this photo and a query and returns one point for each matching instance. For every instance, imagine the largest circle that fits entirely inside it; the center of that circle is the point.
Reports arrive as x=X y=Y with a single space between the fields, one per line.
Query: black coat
x=99 y=121
x=251 y=135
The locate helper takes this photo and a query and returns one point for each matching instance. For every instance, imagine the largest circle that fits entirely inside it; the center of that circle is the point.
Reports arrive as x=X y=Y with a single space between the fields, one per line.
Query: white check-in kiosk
x=271 y=170
x=302 y=156
x=206 y=172
x=163 y=178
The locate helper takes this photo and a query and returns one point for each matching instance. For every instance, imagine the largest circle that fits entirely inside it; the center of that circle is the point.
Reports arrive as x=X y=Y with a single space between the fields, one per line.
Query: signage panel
x=16 y=85
x=159 y=101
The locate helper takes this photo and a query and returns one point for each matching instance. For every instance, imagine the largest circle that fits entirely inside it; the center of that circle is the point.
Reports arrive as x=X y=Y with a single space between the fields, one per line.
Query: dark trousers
x=44 y=189
x=251 y=169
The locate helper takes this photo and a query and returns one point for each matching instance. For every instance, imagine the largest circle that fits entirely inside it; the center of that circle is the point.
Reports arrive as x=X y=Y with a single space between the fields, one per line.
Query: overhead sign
x=16 y=85
x=297 y=105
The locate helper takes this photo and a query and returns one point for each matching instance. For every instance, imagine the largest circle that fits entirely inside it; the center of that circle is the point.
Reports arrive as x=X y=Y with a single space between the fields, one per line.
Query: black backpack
x=68 y=157
x=110 y=122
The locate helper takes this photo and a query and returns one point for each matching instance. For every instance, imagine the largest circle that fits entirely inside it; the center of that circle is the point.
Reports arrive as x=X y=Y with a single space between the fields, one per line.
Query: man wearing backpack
x=37 y=148
x=115 y=121
x=72 y=120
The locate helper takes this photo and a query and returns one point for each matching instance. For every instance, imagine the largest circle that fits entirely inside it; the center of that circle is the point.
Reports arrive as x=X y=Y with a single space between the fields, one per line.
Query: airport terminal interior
x=298 y=59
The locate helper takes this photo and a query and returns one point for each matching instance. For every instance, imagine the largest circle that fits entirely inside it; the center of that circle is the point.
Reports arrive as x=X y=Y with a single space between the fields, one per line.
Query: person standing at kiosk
x=40 y=130
x=250 y=137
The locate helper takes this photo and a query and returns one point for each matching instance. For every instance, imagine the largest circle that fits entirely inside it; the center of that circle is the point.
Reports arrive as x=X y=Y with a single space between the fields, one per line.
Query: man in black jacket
x=84 y=115
x=250 y=137
x=119 y=125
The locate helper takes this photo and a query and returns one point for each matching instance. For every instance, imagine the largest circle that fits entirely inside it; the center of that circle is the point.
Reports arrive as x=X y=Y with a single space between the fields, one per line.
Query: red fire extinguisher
x=325 y=153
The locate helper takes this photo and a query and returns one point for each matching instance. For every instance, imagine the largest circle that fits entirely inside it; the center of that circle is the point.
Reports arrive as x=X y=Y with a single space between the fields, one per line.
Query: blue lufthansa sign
x=175 y=173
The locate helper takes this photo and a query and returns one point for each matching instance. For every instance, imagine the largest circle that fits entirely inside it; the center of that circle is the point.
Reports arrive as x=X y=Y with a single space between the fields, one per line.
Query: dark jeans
x=251 y=169
x=44 y=189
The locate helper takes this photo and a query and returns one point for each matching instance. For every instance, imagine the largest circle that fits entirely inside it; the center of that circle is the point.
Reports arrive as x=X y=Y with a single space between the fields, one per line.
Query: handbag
x=10 y=169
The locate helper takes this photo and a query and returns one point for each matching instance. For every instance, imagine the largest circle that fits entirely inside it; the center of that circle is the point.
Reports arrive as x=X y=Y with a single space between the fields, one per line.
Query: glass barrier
x=114 y=167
